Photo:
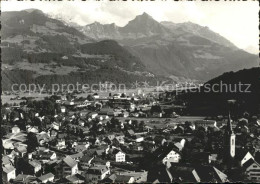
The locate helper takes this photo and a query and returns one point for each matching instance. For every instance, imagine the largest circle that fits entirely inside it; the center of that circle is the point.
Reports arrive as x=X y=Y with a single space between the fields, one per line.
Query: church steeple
x=229 y=129
x=229 y=139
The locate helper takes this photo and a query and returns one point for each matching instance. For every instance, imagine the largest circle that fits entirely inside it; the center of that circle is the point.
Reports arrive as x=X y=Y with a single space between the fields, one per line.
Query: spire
x=229 y=125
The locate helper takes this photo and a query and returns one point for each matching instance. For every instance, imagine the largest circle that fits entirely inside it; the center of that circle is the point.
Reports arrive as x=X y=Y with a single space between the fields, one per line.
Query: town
x=125 y=138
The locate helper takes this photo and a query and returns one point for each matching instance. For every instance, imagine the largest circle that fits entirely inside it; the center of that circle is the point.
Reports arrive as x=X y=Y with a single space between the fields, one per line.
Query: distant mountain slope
x=242 y=86
x=37 y=48
x=198 y=30
x=183 y=50
x=122 y=57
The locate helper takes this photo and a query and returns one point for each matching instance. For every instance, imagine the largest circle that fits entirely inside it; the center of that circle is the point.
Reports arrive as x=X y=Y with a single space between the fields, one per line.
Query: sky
x=236 y=20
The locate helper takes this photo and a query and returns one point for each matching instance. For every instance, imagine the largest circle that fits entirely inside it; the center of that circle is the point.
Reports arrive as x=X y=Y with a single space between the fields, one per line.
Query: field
x=165 y=122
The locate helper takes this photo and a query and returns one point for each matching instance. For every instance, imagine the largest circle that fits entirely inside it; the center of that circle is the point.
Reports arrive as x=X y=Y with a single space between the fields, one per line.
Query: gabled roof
x=6 y=160
x=22 y=149
x=35 y=163
x=69 y=161
x=131 y=132
x=122 y=178
x=210 y=174
x=77 y=155
x=24 y=178
x=97 y=169
x=163 y=151
x=46 y=176
x=115 y=151
x=183 y=172
x=8 y=169
x=77 y=178
x=86 y=158
x=249 y=163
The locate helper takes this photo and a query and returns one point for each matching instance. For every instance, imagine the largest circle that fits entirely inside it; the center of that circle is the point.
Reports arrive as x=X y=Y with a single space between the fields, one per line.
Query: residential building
x=46 y=178
x=97 y=173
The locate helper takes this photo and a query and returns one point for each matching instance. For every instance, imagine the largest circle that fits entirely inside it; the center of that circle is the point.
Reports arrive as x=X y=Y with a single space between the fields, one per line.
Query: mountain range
x=185 y=49
x=42 y=47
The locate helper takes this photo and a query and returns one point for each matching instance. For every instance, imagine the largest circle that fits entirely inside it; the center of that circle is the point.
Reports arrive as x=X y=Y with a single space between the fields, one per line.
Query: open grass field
x=165 y=122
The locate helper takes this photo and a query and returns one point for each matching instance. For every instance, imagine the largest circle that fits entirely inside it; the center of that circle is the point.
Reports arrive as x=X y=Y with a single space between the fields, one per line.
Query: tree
x=90 y=98
x=156 y=108
x=32 y=142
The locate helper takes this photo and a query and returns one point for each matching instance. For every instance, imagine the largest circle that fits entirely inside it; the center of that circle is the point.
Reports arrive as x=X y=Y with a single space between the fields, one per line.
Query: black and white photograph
x=130 y=91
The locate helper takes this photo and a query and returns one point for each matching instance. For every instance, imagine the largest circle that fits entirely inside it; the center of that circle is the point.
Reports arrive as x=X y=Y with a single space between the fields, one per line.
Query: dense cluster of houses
x=111 y=140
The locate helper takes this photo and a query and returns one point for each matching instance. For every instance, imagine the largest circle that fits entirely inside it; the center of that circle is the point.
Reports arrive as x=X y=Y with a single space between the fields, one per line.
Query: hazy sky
x=237 y=21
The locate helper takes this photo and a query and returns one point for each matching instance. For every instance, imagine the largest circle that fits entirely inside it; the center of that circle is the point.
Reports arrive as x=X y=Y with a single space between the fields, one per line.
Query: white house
x=15 y=130
x=119 y=156
x=139 y=138
x=63 y=109
x=61 y=144
x=93 y=115
x=252 y=170
x=55 y=125
x=172 y=156
x=8 y=173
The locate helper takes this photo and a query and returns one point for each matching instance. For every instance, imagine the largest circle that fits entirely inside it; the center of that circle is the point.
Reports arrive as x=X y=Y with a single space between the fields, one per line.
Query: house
x=21 y=150
x=77 y=156
x=106 y=111
x=92 y=115
x=247 y=157
x=167 y=154
x=100 y=161
x=205 y=123
x=63 y=109
x=180 y=144
x=55 y=125
x=61 y=144
x=188 y=173
x=130 y=133
x=119 y=139
x=110 y=136
x=81 y=147
x=179 y=130
x=46 y=178
x=34 y=167
x=15 y=130
x=65 y=57
x=252 y=170
x=139 y=138
x=8 y=173
x=172 y=156
x=201 y=158
x=97 y=173
x=139 y=177
x=118 y=155
x=67 y=166
x=85 y=161
x=24 y=178
x=47 y=156
x=77 y=178
x=31 y=129
x=115 y=178
x=52 y=132
x=42 y=137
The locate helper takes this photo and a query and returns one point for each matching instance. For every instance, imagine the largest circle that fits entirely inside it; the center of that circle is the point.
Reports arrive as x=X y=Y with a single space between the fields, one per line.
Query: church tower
x=230 y=139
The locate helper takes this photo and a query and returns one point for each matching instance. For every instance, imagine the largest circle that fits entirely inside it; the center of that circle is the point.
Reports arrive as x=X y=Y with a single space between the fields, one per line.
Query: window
x=254 y=166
